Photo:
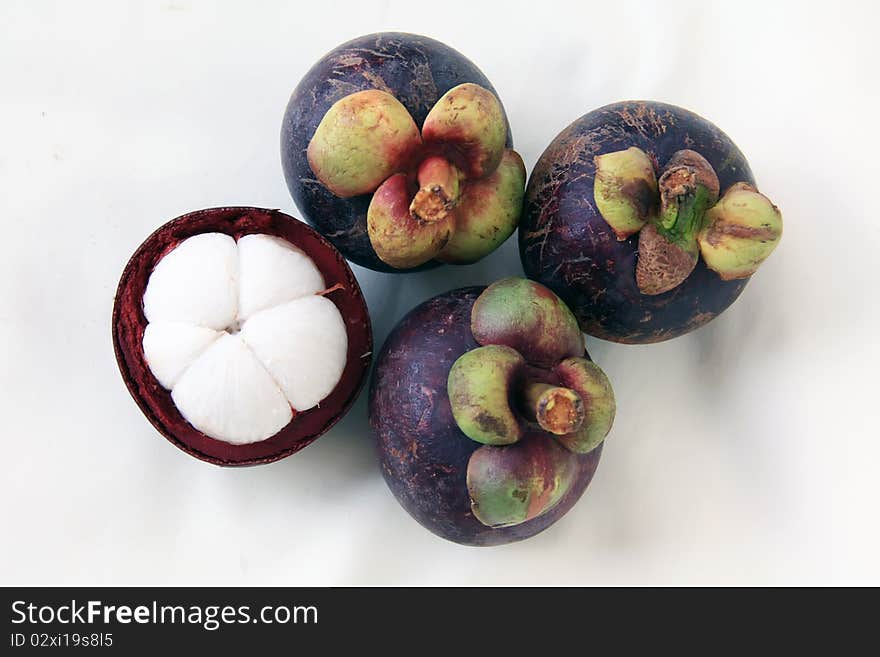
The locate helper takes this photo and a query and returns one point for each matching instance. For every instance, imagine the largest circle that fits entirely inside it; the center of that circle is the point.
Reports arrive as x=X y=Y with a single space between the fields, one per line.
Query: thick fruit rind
x=567 y=245
x=423 y=453
x=129 y=323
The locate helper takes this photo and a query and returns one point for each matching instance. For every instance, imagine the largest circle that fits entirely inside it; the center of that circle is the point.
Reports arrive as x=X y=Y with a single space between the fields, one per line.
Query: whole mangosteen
x=646 y=220
x=241 y=334
x=488 y=414
x=397 y=149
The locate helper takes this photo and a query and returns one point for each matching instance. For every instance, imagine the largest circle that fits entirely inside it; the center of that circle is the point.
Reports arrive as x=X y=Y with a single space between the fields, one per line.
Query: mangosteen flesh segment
x=530 y=397
x=241 y=334
x=453 y=185
x=681 y=213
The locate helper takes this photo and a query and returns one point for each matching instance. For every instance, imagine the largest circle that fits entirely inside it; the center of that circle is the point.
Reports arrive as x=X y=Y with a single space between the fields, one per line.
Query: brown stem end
x=439 y=190
x=557 y=410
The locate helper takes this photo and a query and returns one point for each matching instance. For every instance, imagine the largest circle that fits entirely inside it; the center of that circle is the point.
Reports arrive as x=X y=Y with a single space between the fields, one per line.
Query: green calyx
x=528 y=317
x=514 y=484
x=591 y=384
x=487 y=213
x=464 y=190
x=397 y=238
x=740 y=232
x=682 y=219
x=688 y=187
x=679 y=217
x=361 y=140
x=530 y=397
x=468 y=121
x=625 y=190
x=479 y=386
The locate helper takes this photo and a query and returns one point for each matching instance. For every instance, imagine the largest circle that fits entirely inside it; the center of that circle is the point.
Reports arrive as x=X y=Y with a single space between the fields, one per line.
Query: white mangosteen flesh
x=240 y=334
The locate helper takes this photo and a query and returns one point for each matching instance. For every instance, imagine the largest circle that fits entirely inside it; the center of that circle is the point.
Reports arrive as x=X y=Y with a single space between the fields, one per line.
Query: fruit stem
x=439 y=190
x=668 y=249
x=688 y=187
x=682 y=218
x=556 y=409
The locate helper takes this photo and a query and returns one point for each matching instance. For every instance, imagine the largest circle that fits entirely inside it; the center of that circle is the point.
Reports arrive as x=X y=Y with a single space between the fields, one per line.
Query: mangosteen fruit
x=489 y=416
x=646 y=219
x=397 y=149
x=241 y=333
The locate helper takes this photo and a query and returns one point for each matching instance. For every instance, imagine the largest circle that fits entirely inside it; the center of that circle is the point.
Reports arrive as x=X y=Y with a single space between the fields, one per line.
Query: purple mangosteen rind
x=424 y=454
x=417 y=71
x=566 y=244
x=129 y=324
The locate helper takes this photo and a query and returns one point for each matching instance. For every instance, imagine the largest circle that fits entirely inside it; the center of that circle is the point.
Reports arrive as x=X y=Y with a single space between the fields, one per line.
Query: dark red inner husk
x=129 y=323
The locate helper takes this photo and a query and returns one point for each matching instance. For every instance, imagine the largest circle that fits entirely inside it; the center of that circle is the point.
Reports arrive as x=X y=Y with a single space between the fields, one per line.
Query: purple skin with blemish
x=416 y=70
x=567 y=245
x=423 y=453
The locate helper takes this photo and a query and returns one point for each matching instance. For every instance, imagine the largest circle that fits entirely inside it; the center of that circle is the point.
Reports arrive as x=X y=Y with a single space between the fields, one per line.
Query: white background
x=744 y=453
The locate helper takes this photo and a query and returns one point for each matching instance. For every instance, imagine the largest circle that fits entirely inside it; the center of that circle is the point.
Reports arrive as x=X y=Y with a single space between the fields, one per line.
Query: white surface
x=746 y=452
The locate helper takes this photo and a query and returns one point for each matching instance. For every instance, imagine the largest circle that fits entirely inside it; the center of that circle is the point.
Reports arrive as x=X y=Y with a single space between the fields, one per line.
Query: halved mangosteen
x=241 y=333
